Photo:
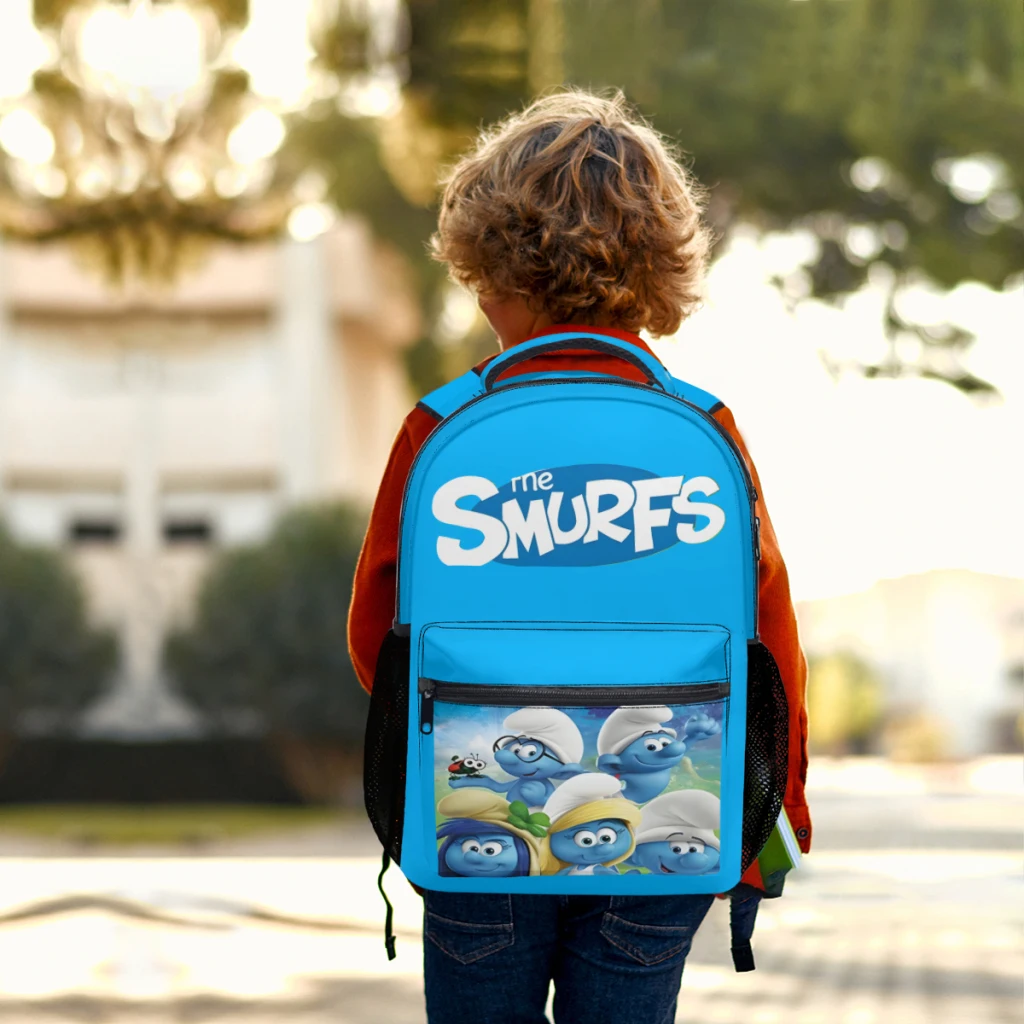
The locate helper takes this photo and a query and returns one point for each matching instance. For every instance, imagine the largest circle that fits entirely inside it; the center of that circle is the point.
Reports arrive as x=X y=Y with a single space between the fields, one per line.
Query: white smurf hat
x=580 y=790
x=554 y=728
x=688 y=812
x=627 y=724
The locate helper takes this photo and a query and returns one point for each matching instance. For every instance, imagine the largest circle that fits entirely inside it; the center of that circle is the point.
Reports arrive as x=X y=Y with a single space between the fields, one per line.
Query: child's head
x=576 y=209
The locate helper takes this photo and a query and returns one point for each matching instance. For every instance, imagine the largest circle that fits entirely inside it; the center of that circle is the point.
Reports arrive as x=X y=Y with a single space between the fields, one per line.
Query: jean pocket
x=468 y=926
x=647 y=944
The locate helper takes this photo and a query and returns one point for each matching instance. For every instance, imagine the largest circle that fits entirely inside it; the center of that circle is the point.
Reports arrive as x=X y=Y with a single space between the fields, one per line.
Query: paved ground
x=909 y=912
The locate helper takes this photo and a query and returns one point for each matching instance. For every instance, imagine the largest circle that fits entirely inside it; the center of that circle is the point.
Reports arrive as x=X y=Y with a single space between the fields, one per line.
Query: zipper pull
x=757 y=536
x=426 y=688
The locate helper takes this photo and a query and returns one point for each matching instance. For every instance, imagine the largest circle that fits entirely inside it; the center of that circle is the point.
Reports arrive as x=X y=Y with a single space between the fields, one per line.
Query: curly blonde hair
x=577 y=205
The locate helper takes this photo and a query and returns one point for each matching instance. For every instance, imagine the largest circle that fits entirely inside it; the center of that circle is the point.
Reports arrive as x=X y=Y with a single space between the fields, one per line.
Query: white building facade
x=142 y=431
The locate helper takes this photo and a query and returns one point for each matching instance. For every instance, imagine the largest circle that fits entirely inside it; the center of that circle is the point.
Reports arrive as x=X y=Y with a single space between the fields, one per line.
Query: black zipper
x=620 y=382
x=488 y=694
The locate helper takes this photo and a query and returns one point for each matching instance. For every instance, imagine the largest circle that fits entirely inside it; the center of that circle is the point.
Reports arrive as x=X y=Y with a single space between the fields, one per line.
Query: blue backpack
x=573 y=698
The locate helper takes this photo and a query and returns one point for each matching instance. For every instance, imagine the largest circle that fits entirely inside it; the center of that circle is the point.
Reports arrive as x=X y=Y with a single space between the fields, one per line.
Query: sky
x=863 y=479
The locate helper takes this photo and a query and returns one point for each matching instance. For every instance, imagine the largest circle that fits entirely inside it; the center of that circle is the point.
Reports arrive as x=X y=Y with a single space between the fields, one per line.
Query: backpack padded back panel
x=577 y=574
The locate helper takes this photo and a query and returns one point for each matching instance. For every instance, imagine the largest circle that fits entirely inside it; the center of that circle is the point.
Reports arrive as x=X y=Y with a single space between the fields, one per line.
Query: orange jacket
x=373 y=594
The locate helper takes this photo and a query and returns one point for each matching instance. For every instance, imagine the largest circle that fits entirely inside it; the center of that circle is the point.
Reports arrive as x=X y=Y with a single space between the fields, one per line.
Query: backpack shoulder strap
x=702 y=399
x=443 y=401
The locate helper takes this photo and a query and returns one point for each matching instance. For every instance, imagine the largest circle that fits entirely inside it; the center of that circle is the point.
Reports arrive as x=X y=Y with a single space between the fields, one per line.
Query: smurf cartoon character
x=637 y=747
x=541 y=744
x=592 y=827
x=676 y=834
x=486 y=837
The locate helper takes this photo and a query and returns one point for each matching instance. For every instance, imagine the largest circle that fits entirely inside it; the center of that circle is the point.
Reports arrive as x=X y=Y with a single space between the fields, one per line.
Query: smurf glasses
x=525 y=748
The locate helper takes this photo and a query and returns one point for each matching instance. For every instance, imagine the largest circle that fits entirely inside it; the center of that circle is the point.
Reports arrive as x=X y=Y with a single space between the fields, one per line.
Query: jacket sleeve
x=778 y=628
x=374 y=587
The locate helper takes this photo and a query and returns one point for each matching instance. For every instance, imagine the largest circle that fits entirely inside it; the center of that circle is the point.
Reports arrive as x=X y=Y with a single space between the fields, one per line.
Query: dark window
x=94 y=530
x=188 y=531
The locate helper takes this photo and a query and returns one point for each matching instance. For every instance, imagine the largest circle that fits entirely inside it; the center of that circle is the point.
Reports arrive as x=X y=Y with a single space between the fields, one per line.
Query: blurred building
x=948 y=644
x=142 y=431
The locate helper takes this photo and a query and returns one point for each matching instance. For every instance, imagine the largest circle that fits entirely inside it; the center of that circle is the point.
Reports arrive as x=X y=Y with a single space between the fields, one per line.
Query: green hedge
x=53 y=664
x=267 y=647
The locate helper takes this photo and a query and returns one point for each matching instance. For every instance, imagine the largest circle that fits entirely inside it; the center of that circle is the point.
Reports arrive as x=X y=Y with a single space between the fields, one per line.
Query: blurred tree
x=892 y=130
x=52 y=663
x=844 y=702
x=467 y=63
x=266 y=649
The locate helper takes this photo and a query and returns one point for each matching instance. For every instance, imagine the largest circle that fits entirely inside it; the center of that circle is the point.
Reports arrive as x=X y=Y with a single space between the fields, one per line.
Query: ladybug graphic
x=466 y=766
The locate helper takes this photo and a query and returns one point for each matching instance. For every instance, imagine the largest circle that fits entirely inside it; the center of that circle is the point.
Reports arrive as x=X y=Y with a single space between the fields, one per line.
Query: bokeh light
x=25 y=137
x=155 y=51
x=23 y=51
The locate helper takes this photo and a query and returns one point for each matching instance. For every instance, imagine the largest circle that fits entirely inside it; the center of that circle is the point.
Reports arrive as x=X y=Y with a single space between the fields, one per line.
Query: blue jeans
x=614 y=959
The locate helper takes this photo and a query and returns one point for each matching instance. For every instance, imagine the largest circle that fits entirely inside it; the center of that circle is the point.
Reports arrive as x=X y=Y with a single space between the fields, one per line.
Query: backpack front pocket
x=554 y=771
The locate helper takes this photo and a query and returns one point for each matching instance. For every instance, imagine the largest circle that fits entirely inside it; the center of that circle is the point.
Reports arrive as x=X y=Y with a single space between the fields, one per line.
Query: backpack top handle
x=656 y=374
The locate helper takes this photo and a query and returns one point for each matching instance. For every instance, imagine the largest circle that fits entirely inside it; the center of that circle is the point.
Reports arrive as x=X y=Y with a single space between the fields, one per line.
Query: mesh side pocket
x=384 y=753
x=767 y=755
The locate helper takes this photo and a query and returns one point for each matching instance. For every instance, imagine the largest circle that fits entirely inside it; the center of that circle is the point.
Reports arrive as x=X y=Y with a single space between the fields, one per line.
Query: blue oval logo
x=594 y=514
